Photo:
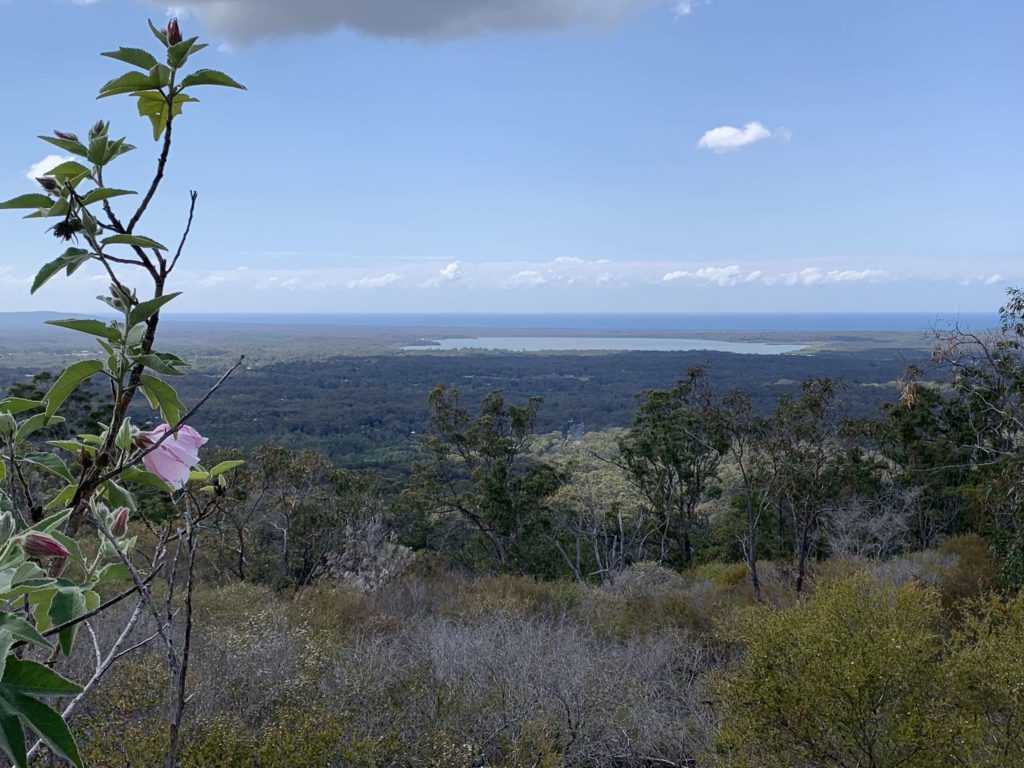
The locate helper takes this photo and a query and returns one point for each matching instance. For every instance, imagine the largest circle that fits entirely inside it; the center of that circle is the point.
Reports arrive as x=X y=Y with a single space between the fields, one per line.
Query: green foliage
x=480 y=478
x=848 y=677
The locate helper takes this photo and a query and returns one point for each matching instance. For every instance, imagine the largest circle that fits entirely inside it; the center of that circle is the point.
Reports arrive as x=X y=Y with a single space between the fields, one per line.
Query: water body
x=584 y=344
x=821 y=322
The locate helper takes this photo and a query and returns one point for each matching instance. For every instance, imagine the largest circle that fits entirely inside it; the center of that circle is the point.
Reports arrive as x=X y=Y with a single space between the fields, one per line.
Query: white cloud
x=727 y=138
x=724 y=277
x=812 y=276
x=686 y=7
x=379 y=281
x=528 y=277
x=993 y=279
x=48 y=163
x=243 y=21
x=449 y=274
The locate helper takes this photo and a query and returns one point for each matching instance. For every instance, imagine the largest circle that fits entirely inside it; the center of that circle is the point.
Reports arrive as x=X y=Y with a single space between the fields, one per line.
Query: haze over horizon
x=531 y=156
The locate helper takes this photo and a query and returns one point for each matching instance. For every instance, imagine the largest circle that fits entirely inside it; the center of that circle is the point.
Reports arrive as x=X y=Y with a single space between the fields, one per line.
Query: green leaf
x=48 y=724
x=104 y=193
x=129 y=82
x=63 y=497
x=51 y=463
x=147 y=309
x=70 y=169
x=35 y=423
x=225 y=466
x=12 y=737
x=134 y=56
x=67 y=604
x=74 y=147
x=34 y=200
x=70 y=260
x=22 y=630
x=142 y=477
x=154 y=106
x=158 y=33
x=139 y=240
x=18 y=405
x=92 y=327
x=158 y=364
x=210 y=77
x=68 y=381
x=47 y=524
x=116 y=149
x=118 y=496
x=113 y=572
x=72 y=546
x=31 y=677
x=162 y=395
x=177 y=54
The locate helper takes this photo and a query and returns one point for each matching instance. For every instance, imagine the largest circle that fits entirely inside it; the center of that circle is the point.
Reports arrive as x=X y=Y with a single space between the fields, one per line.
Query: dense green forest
x=366 y=411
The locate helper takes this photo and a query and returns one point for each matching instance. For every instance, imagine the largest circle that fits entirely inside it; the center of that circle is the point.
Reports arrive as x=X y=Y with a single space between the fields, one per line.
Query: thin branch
x=188 y=228
x=173 y=431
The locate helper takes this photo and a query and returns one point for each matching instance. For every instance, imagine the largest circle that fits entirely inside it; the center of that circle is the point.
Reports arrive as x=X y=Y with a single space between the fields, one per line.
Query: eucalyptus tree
x=672 y=454
x=478 y=474
x=804 y=442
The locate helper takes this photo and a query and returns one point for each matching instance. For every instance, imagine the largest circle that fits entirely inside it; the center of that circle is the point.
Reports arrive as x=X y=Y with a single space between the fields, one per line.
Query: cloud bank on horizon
x=243 y=22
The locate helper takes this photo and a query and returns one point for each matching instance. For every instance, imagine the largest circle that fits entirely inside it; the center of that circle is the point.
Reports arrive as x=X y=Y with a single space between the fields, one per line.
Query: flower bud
x=65 y=135
x=119 y=526
x=6 y=527
x=98 y=129
x=38 y=544
x=173 y=33
x=48 y=183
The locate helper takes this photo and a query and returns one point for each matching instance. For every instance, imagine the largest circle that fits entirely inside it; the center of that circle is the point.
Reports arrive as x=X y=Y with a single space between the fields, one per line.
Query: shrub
x=846 y=677
x=986 y=673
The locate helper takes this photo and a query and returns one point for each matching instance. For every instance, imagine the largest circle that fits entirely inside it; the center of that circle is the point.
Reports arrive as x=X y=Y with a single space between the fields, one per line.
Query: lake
x=583 y=344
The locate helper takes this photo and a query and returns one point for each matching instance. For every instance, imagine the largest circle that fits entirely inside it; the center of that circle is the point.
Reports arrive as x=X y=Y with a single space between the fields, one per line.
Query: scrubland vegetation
x=729 y=581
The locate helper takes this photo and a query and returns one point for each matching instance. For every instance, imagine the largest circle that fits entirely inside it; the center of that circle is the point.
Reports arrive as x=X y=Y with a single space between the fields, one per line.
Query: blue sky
x=553 y=155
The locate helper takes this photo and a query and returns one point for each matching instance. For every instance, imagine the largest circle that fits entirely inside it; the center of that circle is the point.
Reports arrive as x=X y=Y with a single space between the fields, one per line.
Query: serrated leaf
x=67 y=604
x=18 y=405
x=31 y=677
x=69 y=170
x=22 y=630
x=162 y=395
x=12 y=737
x=158 y=364
x=129 y=82
x=69 y=261
x=89 y=326
x=68 y=381
x=225 y=466
x=105 y=193
x=33 y=200
x=44 y=721
x=137 y=57
x=142 y=477
x=159 y=34
x=34 y=423
x=139 y=240
x=210 y=77
x=51 y=463
x=147 y=309
x=74 y=147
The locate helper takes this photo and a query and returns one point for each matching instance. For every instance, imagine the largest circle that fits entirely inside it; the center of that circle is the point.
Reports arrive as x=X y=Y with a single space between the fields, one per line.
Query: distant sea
x=663 y=322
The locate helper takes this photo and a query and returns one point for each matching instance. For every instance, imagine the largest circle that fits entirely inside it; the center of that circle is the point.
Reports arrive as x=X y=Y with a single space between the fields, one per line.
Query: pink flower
x=38 y=544
x=172 y=460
